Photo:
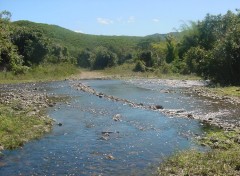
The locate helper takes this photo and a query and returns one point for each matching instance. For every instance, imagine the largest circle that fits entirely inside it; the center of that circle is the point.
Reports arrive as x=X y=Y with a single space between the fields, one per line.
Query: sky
x=117 y=17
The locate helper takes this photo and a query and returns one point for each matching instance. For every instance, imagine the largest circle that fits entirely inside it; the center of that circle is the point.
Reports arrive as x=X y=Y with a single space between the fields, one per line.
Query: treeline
x=22 y=47
x=78 y=44
x=25 y=44
x=209 y=48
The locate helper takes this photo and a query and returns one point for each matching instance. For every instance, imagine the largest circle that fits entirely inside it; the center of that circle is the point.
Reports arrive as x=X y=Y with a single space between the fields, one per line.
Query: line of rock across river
x=170 y=112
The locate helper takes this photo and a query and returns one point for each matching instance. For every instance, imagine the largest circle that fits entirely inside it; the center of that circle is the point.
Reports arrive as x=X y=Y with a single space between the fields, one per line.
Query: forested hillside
x=209 y=48
x=77 y=41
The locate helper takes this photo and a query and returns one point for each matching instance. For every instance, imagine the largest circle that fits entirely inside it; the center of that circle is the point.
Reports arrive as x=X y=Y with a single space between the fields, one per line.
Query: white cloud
x=156 y=20
x=120 y=20
x=104 y=21
x=78 y=31
x=131 y=19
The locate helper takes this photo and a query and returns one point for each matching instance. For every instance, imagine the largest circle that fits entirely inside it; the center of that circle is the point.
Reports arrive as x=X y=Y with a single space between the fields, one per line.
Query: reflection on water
x=91 y=142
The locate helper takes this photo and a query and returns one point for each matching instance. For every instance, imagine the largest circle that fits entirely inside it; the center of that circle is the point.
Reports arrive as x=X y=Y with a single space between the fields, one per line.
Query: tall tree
x=9 y=57
x=172 y=52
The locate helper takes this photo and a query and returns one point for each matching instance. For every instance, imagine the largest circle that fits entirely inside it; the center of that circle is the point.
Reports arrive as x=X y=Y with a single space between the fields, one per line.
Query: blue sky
x=117 y=17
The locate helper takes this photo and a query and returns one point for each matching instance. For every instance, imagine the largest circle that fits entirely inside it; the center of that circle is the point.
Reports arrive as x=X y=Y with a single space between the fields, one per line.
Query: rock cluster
x=25 y=99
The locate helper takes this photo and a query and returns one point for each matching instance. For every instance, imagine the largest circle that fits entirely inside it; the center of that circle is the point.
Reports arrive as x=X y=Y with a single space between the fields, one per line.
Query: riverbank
x=222 y=159
x=23 y=114
x=40 y=73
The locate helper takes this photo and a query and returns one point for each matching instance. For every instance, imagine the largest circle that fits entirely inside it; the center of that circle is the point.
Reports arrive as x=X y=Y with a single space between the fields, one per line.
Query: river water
x=91 y=142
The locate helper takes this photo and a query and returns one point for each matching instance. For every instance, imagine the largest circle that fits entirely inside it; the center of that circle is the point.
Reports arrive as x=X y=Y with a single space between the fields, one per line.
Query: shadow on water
x=91 y=142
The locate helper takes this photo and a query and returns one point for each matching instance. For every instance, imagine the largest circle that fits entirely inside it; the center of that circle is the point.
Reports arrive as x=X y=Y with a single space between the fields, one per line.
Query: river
x=91 y=141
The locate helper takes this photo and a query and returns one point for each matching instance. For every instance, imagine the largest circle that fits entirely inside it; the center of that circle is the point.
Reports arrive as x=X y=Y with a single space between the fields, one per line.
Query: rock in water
x=110 y=157
x=117 y=117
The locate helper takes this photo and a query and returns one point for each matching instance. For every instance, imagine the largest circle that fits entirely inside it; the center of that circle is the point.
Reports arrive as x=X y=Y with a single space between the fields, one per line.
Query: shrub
x=139 y=67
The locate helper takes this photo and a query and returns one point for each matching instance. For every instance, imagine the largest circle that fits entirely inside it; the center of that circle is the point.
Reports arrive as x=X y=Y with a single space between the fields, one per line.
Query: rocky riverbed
x=216 y=118
x=198 y=88
x=28 y=98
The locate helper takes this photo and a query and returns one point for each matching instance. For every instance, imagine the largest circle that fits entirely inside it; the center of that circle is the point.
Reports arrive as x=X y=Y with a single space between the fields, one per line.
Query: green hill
x=34 y=43
x=78 y=41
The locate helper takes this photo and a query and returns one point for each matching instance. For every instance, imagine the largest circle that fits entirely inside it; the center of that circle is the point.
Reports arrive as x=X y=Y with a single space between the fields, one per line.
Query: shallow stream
x=91 y=142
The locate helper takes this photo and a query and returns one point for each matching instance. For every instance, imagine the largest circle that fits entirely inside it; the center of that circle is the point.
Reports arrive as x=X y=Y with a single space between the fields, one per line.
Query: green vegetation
x=126 y=70
x=211 y=48
x=23 y=51
x=208 y=48
x=18 y=127
x=42 y=72
x=223 y=159
x=229 y=91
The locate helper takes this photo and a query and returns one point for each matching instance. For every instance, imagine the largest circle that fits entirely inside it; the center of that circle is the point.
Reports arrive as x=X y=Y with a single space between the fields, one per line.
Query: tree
x=197 y=60
x=160 y=50
x=83 y=59
x=147 y=58
x=189 y=38
x=215 y=50
x=5 y=15
x=225 y=63
x=139 y=67
x=172 y=52
x=9 y=57
x=103 y=58
x=31 y=45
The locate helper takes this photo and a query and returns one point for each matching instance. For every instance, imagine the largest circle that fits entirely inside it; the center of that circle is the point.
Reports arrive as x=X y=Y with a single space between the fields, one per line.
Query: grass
x=223 y=159
x=17 y=127
x=44 y=72
x=229 y=91
x=126 y=71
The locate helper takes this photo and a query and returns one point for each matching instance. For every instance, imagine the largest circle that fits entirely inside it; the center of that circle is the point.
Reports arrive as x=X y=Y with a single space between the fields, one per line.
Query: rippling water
x=133 y=145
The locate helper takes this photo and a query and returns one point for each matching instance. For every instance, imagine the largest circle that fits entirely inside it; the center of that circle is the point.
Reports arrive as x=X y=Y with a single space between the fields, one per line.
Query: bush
x=139 y=67
x=166 y=68
x=20 y=70
x=196 y=60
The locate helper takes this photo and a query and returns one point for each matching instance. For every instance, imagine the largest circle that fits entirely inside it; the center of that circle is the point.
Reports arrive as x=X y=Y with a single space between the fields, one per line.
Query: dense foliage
x=9 y=57
x=209 y=48
x=24 y=47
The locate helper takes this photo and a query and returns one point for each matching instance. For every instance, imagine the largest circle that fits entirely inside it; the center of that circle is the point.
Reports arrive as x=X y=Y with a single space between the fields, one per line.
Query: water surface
x=140 y=140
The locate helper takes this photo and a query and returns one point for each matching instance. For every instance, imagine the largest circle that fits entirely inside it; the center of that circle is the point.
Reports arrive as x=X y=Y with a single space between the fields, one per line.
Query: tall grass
x=43 y=72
